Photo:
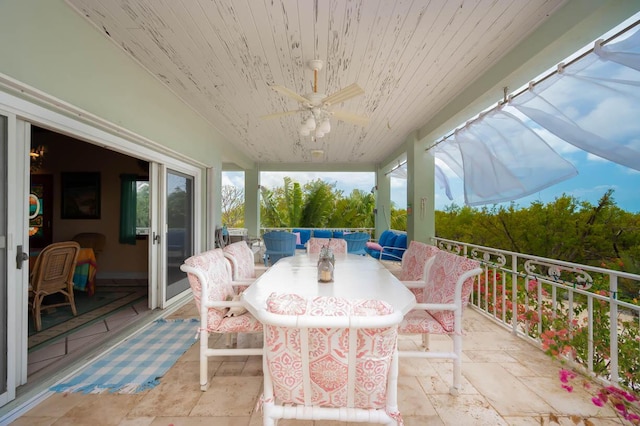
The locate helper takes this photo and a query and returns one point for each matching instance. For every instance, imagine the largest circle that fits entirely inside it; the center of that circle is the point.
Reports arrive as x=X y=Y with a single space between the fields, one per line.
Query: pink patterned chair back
x=242 y=260
x=217 y=273
x=321 y=352
x=338 y=245
x=441 y=284
x=414 y=265
x=414 y=260
x=446 y=293
x=209 y=275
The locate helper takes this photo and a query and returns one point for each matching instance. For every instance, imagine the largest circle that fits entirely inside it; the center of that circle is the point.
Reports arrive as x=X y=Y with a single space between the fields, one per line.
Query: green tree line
x=316 y=204
x=565 y=229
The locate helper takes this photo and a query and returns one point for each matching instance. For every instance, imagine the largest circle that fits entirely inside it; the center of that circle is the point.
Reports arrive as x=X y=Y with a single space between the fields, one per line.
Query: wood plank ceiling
x=410 y=57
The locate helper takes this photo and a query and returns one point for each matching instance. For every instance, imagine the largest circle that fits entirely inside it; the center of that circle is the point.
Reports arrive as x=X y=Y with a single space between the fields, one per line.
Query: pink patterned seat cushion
x=440 y=288
x=338 y=245
x=218 y=276
x=244 y=260
x=328 y=353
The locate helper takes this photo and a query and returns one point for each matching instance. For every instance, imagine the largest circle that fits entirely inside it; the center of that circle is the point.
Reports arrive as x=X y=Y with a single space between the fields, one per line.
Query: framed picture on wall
x=80 y=195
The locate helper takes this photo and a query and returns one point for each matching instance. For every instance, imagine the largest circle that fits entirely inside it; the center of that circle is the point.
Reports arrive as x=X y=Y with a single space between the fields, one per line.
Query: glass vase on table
x=326 y=261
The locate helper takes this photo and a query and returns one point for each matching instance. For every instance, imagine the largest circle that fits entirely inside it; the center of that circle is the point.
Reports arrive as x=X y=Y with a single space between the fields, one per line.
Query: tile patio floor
x=506 y=381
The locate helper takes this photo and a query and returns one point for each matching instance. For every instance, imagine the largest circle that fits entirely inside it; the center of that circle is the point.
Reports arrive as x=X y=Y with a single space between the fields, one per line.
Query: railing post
x=514 y=293
x=613 y=325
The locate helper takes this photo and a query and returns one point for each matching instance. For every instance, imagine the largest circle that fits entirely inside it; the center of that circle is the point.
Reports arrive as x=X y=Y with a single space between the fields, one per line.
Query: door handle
x=155 y=239
x=21 y=257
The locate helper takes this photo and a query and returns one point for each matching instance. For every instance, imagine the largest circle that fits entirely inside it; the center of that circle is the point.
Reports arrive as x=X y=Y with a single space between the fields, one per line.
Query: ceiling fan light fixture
x=319 y=133
x=310 y=123
x=325 y=126
x=304 y=131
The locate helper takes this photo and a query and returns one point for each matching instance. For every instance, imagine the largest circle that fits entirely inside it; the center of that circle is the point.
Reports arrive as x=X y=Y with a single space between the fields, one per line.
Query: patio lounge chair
x=278 y=244
x=319 y=366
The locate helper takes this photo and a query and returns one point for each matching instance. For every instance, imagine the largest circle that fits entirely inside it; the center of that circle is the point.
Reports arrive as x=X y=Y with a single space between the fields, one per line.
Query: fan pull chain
x=315 y=80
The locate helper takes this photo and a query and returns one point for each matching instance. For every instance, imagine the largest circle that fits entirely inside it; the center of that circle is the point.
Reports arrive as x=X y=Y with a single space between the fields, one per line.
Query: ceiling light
x=310 y=123
x=325 y=126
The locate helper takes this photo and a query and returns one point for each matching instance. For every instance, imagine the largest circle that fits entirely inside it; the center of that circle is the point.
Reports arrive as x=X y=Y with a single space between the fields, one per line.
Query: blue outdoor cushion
x=322 y=233
x=385 y=237
x=305 y=234
x=401 y=243
x=338 y=234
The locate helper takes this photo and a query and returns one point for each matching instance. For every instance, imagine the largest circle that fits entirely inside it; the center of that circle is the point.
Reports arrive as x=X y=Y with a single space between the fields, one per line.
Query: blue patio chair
x=278 y=244
x=356 y=242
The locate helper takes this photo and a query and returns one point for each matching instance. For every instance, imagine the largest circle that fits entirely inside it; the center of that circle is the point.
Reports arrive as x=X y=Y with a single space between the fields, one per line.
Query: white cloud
x=233 y=178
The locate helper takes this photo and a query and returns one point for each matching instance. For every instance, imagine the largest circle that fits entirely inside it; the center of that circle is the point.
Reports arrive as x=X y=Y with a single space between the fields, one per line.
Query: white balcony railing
x=553 y=302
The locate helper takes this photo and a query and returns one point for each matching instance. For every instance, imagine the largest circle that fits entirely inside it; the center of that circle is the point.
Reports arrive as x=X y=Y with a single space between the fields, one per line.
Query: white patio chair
x=209 y=274
x=330 y=359
x=446 y=293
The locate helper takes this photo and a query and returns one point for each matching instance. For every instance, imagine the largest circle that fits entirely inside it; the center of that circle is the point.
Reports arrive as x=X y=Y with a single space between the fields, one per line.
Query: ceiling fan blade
x=279 y=114
x=350 y=117
x=290 y=93
x=343 y=94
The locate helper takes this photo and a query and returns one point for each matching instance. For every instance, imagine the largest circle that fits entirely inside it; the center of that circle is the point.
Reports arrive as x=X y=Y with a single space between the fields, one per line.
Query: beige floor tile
x=578 y=402
x=229 y=396
x=434 y=420
x=56 y=405
x=198 y=421
x=137 y=421
x=102 y=409
x=34 y=421
x=412 y=401
x=168 y=399
x=505 y=392
x=466 y=410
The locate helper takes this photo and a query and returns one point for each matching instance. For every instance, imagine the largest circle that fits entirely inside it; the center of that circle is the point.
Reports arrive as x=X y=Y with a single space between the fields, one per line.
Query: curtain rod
x=400 y=164
x=506 y=98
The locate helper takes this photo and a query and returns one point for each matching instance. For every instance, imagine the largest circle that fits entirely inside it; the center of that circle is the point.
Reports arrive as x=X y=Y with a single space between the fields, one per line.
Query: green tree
x=232 y=204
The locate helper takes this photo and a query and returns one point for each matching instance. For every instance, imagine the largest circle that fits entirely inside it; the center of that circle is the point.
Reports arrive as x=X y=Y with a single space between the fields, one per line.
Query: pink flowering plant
x=564 y=333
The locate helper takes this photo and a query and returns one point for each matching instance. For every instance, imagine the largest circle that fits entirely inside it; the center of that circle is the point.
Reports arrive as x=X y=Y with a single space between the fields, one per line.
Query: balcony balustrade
x=552 y=302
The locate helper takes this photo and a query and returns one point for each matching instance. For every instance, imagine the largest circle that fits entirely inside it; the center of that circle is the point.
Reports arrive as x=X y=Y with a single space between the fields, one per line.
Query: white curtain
x=501 y=158
x=593 y=104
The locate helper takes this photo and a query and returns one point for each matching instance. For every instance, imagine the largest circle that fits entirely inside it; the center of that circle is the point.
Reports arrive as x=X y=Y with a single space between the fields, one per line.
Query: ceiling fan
x=317 y=106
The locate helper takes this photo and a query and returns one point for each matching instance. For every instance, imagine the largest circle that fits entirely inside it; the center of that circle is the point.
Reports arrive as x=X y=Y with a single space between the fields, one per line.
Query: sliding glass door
x=13 y=250
x=179 y=235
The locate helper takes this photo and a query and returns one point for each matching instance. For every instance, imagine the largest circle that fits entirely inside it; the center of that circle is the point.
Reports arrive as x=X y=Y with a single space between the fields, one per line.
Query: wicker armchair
x=53 y=273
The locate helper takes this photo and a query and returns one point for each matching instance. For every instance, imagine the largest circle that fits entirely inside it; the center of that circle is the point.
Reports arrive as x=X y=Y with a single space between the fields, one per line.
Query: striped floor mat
x=137 y=363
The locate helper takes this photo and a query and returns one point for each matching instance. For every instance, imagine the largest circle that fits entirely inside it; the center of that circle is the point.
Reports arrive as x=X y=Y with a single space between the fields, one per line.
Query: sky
x=595 y=177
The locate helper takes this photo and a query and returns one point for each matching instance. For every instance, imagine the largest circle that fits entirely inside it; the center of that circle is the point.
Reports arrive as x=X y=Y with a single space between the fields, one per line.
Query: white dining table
x=356 y=277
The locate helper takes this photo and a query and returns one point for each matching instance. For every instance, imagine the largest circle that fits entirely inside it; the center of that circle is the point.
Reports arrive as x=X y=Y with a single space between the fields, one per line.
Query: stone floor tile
x=505 y=392
x=167 y=399
x=102 y=409
x=412 y=401
x=229 y=396
x=466 y=410
x=137 y=421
